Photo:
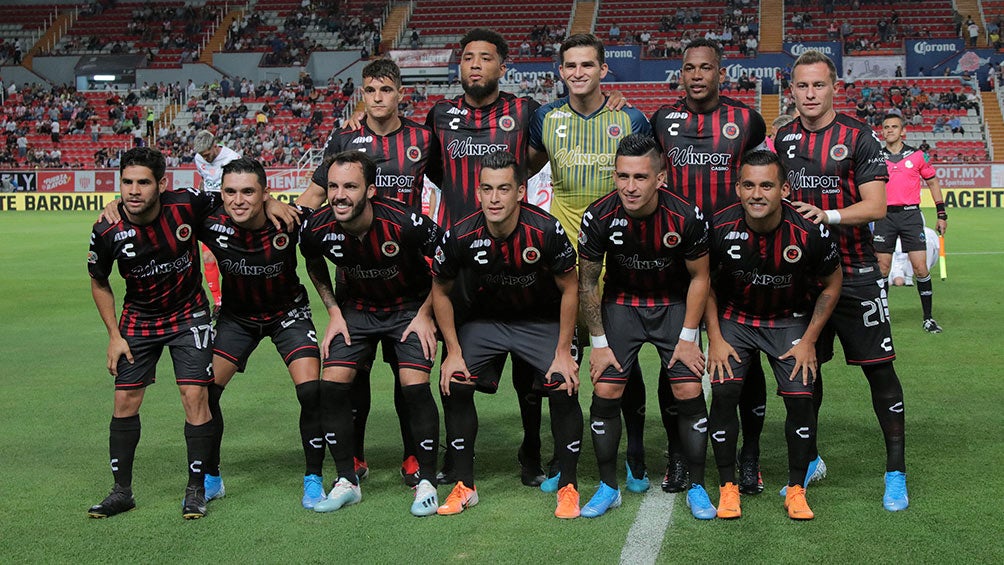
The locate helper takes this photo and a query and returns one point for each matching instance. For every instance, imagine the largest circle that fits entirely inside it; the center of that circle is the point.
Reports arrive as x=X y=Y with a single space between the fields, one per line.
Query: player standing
x=578 y=134
x=164 y=305
x=655 y=288
x=767 y=261
x=381 y=247
x=524 y=303
x=263 y=298
x=702 y=136
x=837 y=175
x=907 y=168
x=209 y=160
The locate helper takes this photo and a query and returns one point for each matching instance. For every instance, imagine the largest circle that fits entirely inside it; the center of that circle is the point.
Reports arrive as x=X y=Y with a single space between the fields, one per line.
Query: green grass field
x=56 y=404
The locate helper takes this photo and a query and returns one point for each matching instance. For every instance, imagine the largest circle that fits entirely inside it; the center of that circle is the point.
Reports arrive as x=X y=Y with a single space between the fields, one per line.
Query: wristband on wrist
x=832 y=217
x=942 y=214
x=689 y=334
x=598 y=341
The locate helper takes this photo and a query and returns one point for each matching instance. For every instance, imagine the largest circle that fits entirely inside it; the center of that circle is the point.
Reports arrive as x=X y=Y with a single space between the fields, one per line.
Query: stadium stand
x=822 y=21
x=20 y=28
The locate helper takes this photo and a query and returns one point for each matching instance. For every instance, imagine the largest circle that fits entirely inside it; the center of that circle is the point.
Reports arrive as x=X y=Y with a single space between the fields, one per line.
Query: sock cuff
x=691 y=406
x=201 y=430
x=605 y=407
x=127 y=424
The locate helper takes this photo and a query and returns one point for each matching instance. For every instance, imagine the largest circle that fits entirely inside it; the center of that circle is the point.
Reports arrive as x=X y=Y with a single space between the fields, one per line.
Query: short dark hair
x=144 y=157
x=713 y=45
x=501 y=159
x=383 y=68
x=582 y=40
x=764 y=158
x=811 y=57
x=640 y=145
x=891 y=115
x=247 y=165
x=489 y=35
x=364 y=160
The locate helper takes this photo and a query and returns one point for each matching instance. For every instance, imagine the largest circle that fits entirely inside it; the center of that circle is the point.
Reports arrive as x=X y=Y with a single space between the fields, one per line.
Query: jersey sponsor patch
x=413 y=153
x=280 y=241
x=531 y=255
x=614 y=131
x=671 y=239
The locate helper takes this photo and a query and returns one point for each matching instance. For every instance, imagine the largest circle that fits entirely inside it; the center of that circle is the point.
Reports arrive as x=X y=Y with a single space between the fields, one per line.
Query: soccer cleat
x=676 y=476
x=362 y=469
x=343 y=493
x=460 y=499
x=728 y=502
x=606 y=497
x=568 y=503
x=796 y=505
x=895 y=498
x=750 y=479
x=531 y=473
x=550 y=484
x=313 y=491
x=194 y=505
x=214 y=487
x=815 y=472
x=118 y=501
x=931 y=327
x=409 y=471
x=699 y=503
x=635 y=484
x=426 y=499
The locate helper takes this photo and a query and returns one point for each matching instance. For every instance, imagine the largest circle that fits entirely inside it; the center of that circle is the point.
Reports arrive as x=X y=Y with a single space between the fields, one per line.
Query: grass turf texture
x=57 y=403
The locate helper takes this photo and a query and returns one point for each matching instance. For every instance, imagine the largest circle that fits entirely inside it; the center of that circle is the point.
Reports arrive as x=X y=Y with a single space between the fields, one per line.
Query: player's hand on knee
x=599 y=359
x=117 y=348
x=688 y=353
x=452 y=369
x=423 y=327
x=719 y=353
x=336 y=327
x=566 y=366
x=806 y=363
x=111 y=212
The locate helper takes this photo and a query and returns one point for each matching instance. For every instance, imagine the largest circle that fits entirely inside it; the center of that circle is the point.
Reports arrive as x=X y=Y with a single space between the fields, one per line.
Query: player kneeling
x=767 y=261
x=381 y=248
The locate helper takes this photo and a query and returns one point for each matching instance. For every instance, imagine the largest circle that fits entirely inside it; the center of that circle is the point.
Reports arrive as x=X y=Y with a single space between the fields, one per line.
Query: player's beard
x=481 y=91
x=356 y=210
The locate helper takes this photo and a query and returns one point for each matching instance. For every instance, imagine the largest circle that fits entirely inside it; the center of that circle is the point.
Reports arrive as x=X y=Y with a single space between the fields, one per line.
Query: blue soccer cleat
x=313 y=491
x=550 y=484
x=606 y=497
x=699 y=503
x=214 y=487
x=895 y=498
x=637 y=485
x=815 y=472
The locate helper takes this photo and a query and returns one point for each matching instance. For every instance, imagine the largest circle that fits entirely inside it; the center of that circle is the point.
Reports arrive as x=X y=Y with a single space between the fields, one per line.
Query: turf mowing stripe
x=644 y=539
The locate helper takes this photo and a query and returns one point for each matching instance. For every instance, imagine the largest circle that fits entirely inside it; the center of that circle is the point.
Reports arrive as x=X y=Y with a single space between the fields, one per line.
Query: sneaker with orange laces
x=796 y=505
x=568 y=502
x=459 y=500
x=362 y=469
x=728 y=502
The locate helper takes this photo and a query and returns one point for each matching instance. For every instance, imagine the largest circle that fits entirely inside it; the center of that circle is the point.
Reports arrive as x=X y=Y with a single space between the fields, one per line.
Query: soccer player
x=907 y=168
x=262 y=298
x=767 y=261
x=524 y=299
x=381 y=247
x=401 y=150
x=702 y=136
x=164 y=305
x=209 y=160
x=837 y=175
x=655 y=288
x=579 y=135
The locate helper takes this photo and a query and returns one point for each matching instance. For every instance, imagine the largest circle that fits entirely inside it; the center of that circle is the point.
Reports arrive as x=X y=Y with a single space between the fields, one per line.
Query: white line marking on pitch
x=644 y=539
x=975 y=253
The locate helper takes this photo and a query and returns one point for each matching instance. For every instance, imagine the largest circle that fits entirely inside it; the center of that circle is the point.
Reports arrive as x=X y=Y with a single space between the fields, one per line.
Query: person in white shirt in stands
x=209 y=160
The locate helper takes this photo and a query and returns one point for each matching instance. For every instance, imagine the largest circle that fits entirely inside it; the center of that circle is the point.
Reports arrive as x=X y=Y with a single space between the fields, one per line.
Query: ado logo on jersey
x=730 y=130
x=390 y=248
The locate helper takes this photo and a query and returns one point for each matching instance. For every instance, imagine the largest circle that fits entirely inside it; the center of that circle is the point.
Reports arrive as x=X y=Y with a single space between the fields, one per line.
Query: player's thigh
x=625 y=335
x=410 y=354
x=192 y=356
x=234 y=341
x=485 y=348
x=861 y=321
x=911 y=231
x=536 y=342
x=918 y=260
x=775 y=342
x=884 y=234
x=664 y=324
x=142 y=372
x=740 y=337
x=364 y=330
x=295 y=339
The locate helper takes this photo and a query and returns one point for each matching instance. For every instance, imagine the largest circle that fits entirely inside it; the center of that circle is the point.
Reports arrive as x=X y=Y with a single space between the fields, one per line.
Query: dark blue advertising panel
x=832 y=49
x=928 y=56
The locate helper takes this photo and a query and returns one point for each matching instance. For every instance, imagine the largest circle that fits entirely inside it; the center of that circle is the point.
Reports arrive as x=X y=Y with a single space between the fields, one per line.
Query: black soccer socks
x=693 y=425
x=424 y=423
x=123 y=436
x=566 y=427
x=336 y=422
x=199 y=440
x=308 y=394
x=723 y=427
x=605 y=425
x=462 y=431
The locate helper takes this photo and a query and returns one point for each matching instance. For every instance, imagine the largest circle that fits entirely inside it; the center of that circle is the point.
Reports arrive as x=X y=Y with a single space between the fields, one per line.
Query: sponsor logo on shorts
x=92 y=257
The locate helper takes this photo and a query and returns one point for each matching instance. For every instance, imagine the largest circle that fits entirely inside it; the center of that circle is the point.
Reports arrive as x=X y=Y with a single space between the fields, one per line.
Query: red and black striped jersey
x=825 y=169
x=701 y=152
x=513 y=277
x=385 y=269
x=769 y=279
x=260 y=283
x=645 y=257
x=466 y=133
x=159 y=262
x=401 y=158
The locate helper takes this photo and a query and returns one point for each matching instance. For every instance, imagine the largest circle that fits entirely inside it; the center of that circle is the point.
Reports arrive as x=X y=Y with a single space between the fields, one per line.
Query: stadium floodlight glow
x=104 y=78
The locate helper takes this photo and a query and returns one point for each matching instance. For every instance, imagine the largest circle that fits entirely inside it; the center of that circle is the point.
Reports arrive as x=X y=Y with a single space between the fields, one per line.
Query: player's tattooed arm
x=719 y=350
x=804 y=352
x=589 y=308
x=104 y=299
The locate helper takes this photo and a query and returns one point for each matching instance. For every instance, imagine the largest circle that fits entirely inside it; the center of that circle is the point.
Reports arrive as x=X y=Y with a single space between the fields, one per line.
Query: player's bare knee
x=687 y=390
x=608 y=390
x=195 y=400
x=127 y=402
x=304 y=370
x=413 y=377
x=338 y=374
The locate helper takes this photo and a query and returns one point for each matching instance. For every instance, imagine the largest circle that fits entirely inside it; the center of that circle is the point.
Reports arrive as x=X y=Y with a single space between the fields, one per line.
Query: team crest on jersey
x=908 y=164
x=280 y=241
x=792 y=254
x=838 y=152
x=183 y=232
x=413 y=153
x=390 y=248
x=614 y=131
x=507 y=123
x=92 y=257
x=671 y=239
x=531 y=255
x=730 y=130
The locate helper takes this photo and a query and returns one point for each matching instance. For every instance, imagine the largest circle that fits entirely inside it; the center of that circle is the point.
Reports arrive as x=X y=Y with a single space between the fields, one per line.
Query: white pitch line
x=644 y=539
x=975 y=253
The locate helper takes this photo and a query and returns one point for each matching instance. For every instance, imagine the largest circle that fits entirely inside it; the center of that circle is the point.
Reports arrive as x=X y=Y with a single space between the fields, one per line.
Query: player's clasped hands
x=804 y=353
x=688 y=353
x=719 y=352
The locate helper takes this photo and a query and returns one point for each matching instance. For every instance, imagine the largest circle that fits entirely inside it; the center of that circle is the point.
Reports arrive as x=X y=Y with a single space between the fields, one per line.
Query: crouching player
x=655 y=289
x=381 y=247
x=767 y=263
x=524 y=299
x=262 y=297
